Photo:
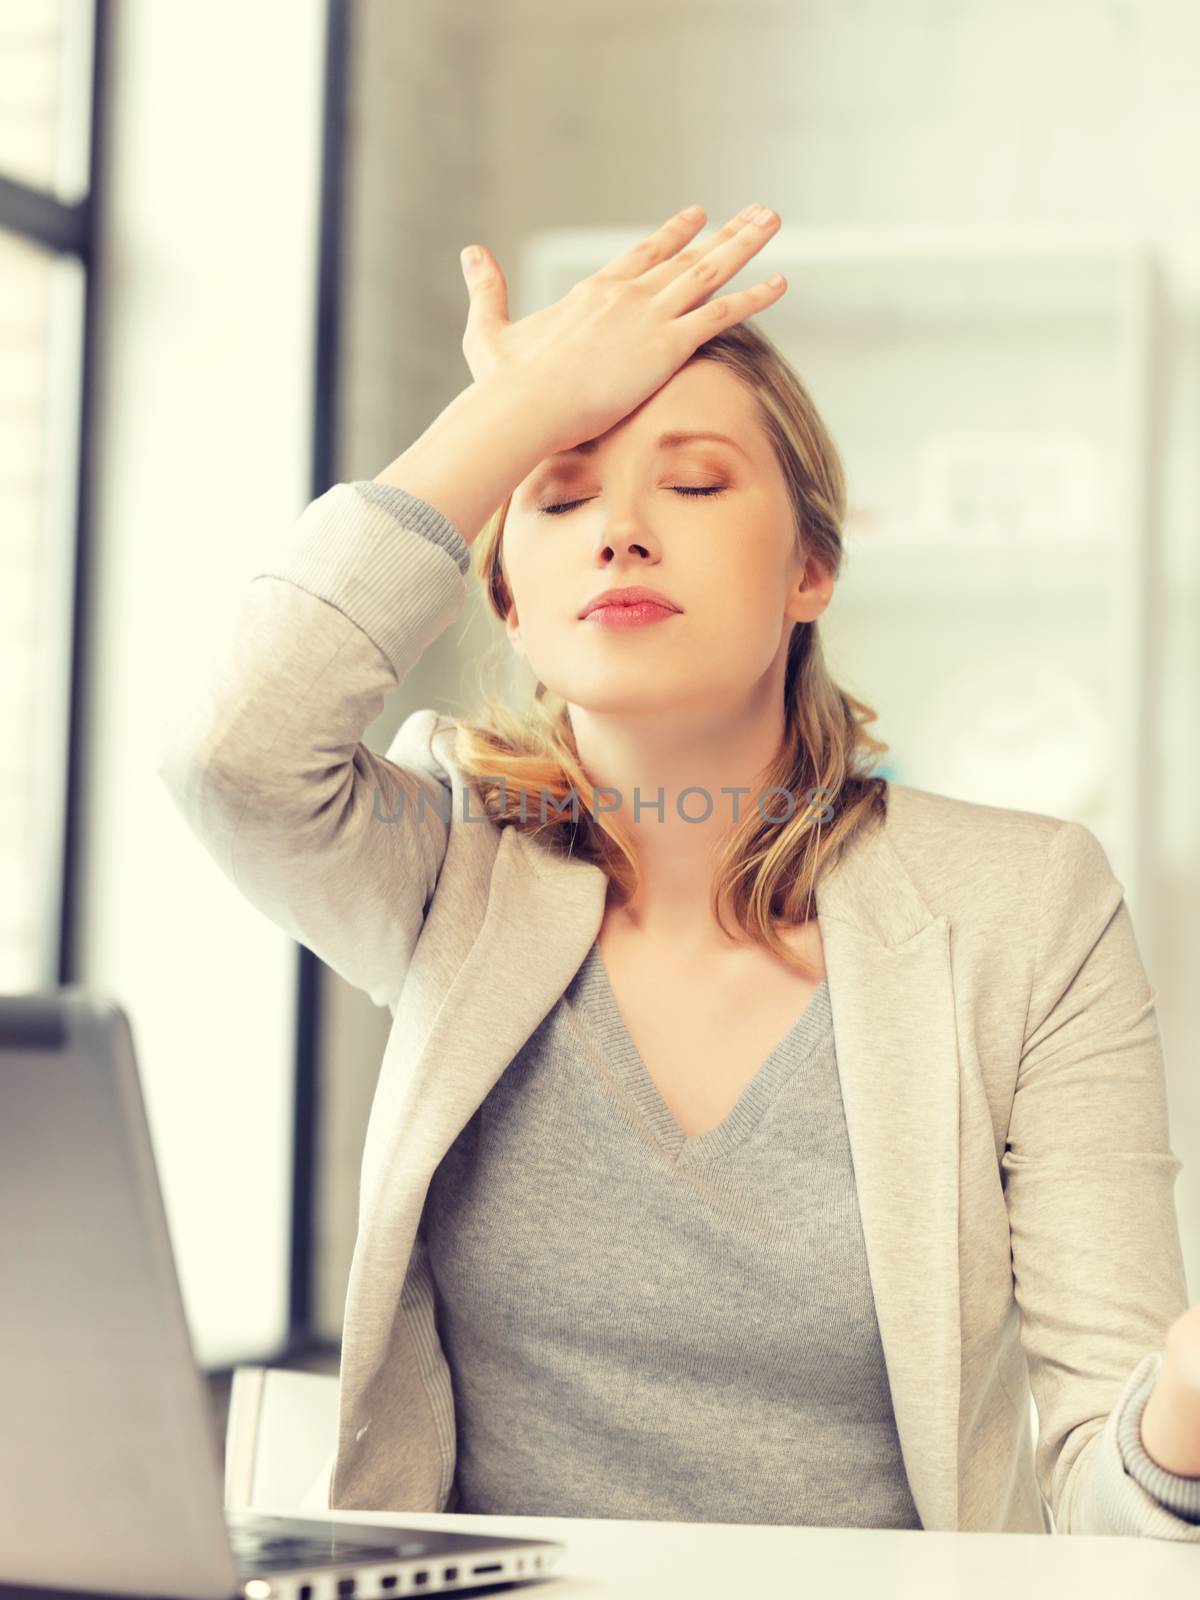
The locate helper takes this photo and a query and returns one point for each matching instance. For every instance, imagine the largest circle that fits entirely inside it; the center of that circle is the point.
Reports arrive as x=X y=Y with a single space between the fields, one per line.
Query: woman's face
x=726 y=556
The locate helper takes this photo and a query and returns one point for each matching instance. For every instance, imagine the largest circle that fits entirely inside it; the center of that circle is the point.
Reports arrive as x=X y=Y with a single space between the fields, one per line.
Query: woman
x=752 y=1132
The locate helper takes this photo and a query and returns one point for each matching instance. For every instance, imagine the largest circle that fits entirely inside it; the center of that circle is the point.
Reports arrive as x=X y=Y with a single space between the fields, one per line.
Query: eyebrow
x=665 y=441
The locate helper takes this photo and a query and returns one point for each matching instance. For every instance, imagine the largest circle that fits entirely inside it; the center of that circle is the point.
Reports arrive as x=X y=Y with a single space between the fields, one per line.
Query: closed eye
x=568 y=505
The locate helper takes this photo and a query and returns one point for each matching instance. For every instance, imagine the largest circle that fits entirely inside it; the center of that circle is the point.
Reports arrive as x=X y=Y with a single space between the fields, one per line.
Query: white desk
x=671 y=1560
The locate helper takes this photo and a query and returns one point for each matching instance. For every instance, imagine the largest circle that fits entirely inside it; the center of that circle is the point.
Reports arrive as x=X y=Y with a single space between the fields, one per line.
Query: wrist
x=1170 y=1424
x=473 y=455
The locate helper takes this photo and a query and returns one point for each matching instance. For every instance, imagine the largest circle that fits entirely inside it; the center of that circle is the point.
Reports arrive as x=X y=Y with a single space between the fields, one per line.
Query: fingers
x=750 y=229
x=657 y=246
x=691 y=276
x=487 y=288
x=708 y=319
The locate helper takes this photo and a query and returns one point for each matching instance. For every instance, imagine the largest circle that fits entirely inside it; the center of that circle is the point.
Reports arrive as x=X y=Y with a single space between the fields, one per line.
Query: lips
x=629 y=597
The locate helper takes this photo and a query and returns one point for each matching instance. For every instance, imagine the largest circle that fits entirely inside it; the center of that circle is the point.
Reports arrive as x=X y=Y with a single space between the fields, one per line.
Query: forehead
x=701 y=404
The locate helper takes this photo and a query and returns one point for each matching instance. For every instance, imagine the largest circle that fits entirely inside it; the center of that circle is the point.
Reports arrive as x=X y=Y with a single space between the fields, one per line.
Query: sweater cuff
x=388 y=564
x=1175 y=1493
x=418 y=515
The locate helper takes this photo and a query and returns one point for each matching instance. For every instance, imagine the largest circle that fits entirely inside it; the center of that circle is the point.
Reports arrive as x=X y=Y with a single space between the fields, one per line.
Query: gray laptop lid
x=111 y=1476
x=110 y=1471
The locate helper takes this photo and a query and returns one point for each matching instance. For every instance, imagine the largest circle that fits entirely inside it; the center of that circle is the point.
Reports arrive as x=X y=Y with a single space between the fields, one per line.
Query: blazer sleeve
x=265 y=759
x=1089 y=1174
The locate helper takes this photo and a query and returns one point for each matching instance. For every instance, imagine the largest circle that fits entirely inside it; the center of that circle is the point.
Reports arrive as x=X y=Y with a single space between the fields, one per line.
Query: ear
x=512 y=628
x=811 y=592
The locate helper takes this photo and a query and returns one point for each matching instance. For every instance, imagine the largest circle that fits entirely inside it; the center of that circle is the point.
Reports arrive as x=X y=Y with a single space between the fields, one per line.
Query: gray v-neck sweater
x=737 y=1375
x=675 y=1391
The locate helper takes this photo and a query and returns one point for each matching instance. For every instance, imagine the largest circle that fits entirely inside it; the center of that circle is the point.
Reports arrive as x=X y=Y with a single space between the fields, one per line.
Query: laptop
x=111 y=1473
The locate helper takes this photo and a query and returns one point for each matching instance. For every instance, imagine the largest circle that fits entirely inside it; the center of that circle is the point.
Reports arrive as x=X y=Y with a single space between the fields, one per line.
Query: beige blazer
x=997 y=1044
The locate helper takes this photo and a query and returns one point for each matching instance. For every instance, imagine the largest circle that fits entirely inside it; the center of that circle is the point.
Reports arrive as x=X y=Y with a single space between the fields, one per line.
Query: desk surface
x=639 y=1560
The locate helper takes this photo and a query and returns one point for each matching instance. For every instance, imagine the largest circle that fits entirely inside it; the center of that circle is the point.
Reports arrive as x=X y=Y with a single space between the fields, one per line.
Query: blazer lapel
x=891 y=994
x=888 y=966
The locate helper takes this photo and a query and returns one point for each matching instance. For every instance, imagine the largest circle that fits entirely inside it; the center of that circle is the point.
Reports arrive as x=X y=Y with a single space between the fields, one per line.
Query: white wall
x=203 y=454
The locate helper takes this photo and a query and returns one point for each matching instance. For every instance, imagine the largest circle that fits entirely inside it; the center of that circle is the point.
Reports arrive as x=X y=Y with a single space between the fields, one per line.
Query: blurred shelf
x=847 y=275
x=876 y=570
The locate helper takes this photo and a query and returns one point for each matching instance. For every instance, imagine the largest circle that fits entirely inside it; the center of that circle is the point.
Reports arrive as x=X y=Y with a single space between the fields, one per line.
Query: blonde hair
x=768 y=869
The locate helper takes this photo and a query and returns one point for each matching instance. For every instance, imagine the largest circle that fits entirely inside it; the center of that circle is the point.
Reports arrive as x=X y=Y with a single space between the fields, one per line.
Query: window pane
x=41 y=324
x=45 y=93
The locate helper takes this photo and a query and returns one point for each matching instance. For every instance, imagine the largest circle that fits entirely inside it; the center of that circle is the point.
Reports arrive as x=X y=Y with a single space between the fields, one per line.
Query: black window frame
x=38 y=216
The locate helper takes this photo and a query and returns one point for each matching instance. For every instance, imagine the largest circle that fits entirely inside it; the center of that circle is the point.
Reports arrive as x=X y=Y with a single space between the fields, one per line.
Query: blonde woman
x=754 y=1134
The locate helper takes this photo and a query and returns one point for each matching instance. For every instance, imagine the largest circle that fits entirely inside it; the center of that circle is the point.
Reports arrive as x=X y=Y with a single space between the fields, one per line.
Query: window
x=46 y=116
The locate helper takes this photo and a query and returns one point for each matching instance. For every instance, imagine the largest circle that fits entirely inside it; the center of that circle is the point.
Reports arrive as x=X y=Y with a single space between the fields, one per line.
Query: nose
x=610 y=544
